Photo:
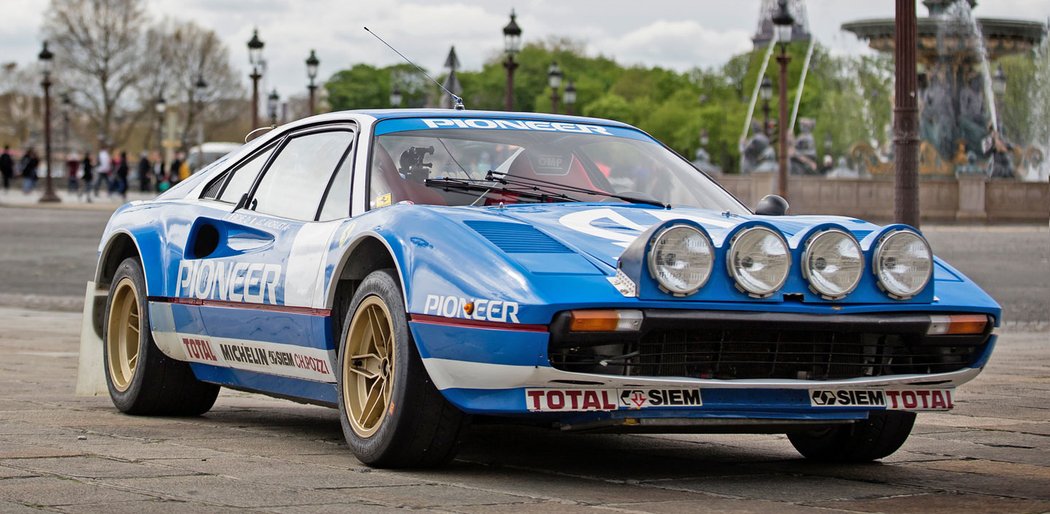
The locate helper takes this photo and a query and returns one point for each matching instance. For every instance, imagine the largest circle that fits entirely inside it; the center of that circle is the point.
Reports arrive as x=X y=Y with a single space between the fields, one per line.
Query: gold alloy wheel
x=368 y=367
x=123 y=335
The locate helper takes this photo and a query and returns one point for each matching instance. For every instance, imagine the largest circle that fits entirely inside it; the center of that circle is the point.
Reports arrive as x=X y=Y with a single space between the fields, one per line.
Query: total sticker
x=586 y=400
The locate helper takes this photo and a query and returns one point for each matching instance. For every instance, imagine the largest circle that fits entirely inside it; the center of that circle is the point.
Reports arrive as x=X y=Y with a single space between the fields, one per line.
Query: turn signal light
x=611 y=320
x=957 y=324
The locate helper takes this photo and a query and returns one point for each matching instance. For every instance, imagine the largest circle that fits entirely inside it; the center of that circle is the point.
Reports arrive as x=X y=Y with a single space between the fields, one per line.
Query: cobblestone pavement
x=62 y=453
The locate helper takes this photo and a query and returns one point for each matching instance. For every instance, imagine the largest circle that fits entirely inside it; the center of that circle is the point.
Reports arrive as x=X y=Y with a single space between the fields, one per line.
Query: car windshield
x=489 y=161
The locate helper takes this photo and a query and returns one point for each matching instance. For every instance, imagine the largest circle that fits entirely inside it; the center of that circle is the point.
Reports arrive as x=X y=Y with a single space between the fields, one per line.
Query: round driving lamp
x=903 y=264
x=759 y=261
x=680 y=259
x=832 y=263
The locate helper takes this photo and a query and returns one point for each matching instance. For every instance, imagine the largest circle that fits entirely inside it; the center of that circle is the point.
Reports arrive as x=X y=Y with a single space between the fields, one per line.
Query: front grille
x=757 y=353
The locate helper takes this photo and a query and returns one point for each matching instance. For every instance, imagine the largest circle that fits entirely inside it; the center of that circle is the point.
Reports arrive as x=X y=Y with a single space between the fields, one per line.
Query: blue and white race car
x=419 y=268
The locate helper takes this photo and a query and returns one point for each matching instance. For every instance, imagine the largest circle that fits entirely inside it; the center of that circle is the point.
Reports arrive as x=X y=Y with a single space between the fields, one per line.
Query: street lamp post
x=67 y=105
x=395 y=96
x=554 y=75
x=783 y=22
x=46 y=58
x=570 y=97
x=272 y=104
x=255 y=46
x=906 y=115
x=161 y=107
x=766 y=89
x=201 y=87
x=511 y=46
x=312 y=63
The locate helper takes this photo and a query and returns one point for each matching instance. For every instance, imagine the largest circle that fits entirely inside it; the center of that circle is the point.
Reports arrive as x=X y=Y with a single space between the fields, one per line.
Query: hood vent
x=517 y=237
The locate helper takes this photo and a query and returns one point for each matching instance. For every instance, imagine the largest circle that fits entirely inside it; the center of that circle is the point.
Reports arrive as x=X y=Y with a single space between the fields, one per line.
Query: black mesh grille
x=754 y=353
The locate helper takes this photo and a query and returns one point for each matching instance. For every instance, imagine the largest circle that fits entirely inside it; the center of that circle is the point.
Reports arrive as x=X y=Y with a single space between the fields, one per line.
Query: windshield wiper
x=504 y=178
x=485 y=187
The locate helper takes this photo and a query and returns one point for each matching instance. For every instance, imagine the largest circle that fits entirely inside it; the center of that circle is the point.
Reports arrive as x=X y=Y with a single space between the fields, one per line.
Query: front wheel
x=874 y=438
x=391 y=413
x=141 y=379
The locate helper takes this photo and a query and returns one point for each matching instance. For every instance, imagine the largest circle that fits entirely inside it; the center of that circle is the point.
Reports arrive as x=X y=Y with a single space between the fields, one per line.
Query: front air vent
x=517 y=237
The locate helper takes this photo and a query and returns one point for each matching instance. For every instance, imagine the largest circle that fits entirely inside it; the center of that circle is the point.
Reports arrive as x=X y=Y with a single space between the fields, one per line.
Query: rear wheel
x=874 y=438
x=391 y=413
x=141 y=379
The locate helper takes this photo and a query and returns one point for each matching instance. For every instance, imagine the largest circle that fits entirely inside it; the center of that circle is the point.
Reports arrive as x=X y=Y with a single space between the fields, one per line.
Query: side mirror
x=772 y=205
x=243 y=202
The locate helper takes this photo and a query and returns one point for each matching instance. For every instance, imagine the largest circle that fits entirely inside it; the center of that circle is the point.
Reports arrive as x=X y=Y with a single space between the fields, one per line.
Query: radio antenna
x=457 y=102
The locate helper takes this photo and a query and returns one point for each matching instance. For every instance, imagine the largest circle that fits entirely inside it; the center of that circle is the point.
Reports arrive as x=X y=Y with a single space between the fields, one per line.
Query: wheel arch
x=120 y=246
x=369 y=252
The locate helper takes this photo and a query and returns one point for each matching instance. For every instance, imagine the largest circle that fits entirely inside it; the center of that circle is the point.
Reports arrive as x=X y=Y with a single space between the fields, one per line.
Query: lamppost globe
x=554 y=75
x=255 y=47
x=395 y=96
x=312 y=62
x=766 y=88
x=46 y=61
x=161 y=105
x=782 y=23
x=201 y=84
x=570 y=93
x=512 y=36
x=271 y=104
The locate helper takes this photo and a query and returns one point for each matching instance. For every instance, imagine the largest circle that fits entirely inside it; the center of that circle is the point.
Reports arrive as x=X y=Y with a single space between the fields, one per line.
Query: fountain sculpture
x=958 y=121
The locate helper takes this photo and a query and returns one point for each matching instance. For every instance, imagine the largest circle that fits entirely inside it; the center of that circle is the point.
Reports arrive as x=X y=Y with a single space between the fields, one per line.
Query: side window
x=337 y=203
x=293 y=185
x=242 y=178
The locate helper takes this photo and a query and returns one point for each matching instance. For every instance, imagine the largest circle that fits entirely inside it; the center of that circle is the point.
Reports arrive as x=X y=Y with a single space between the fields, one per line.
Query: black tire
x=874 y=438
x=158 y=385
x=417 y=426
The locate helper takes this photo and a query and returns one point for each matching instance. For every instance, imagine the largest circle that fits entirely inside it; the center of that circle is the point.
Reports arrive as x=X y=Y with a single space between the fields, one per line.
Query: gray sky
x=676 y=34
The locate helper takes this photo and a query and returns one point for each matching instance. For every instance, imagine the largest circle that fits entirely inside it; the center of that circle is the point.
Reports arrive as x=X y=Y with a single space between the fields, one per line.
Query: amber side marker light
x=608 y=320
x=957 y=324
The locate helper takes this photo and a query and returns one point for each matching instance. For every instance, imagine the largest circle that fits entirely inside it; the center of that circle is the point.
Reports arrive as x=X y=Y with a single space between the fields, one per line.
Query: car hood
x=603 y=231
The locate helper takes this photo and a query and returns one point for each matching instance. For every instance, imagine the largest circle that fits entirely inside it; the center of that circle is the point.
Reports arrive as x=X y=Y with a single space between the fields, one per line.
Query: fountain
x=957 y=109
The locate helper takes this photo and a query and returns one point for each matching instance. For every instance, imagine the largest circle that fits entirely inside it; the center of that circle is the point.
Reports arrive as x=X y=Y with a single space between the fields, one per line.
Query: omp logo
x=475 y=308
x=226 y=280
x=847 y=398
x=542 y=126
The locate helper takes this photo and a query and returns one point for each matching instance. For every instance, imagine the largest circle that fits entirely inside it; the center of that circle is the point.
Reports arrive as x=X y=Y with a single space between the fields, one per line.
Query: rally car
x=417 y=269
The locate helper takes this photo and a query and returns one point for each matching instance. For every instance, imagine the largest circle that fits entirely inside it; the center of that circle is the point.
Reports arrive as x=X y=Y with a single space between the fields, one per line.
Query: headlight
x=680 y=259
x=759 y=261
x=833 y=263
x=903 y=264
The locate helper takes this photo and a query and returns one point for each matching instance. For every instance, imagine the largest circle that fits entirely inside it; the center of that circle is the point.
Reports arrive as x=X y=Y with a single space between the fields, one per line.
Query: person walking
x=103 y=169
x=121 y=177
x=86 y=175
x=28 y=166
x=7 y=167
x=145 y=169
x=73 y=173
x=174 y=175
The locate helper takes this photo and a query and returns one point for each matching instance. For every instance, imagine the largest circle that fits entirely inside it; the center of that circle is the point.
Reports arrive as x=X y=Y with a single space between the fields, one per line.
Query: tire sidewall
x=125 y=400
x=370 y=449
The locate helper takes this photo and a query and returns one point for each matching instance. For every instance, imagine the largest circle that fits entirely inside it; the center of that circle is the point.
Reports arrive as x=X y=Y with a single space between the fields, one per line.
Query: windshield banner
x=407 y=124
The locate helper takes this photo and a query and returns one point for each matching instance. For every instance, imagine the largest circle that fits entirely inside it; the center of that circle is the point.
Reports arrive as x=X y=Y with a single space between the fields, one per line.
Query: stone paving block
x=224 y=491
x=345 y=508
x=13 y=450
x=149 y=506
x=14 y=472
x=95 y=467
x=551 y=507
x=17 y=508
x=433 y=496
x=942 y=503
x=52 y=491
x=714 y=505
x=959 y=447
x=788 y=488
x=289 y=474
x=1005 y=470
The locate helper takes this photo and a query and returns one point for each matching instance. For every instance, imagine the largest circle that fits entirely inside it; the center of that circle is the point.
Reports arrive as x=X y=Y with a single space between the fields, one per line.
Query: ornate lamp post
x=782 y=23
x=554 y=75
x=161 y=107
x=511 y=46
x=312 y=63
x=255 y=46
x=395 y=96
x=46 y=58
x=570 y=97
x=271 y=104
x=766 y=89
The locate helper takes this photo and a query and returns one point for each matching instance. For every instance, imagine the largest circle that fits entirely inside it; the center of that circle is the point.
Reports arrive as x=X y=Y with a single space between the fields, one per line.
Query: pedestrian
x=122 y=176
x=103 y=169
x=114 y=182
x=73 y=173
x=28 y=166
x=174 y=172
x=86 y=175
x=7 y=167
x=145 y=169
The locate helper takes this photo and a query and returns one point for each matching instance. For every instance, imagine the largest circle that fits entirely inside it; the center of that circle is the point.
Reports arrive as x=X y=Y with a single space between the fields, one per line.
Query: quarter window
x=240 y=180
x=337 y=203
x=295 y=182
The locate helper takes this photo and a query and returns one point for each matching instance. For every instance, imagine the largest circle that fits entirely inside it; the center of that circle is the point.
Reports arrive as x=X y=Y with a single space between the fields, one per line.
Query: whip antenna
x=456 y=101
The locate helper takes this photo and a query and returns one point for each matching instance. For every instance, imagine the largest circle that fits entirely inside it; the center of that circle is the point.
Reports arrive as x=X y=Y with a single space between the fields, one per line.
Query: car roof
x=381 y=114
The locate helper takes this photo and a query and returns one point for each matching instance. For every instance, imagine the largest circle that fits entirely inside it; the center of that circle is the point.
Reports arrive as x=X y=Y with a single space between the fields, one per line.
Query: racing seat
x=384 y=173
